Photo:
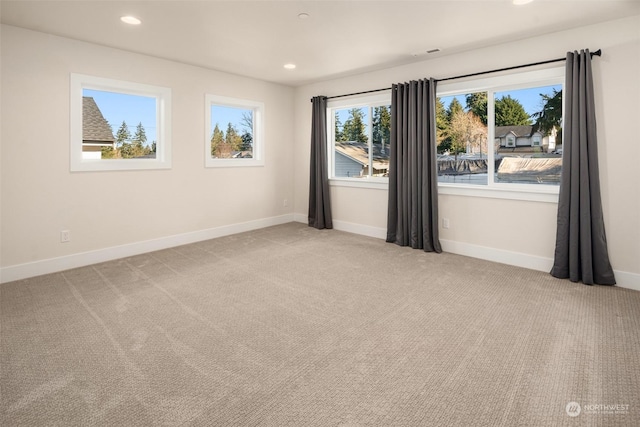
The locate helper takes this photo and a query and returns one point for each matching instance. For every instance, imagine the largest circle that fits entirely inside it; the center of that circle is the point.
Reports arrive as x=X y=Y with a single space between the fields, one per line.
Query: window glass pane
x=118 y=125
x=351 y=148
x=232 y=134
x=380 y=134
x=528 y=135
x=361 y=141
x=461 y=131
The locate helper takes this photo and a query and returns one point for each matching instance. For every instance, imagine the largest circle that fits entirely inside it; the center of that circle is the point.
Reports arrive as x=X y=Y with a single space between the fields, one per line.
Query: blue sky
x=133 y=109
x=529 y=98
x=223 y=115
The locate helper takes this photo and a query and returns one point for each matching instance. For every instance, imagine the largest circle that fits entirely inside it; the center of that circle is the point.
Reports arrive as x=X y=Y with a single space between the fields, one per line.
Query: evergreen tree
x=217 y=139
x=550 y=117
x=442 y=127
x=247 y=141
x=354 y=127
x=140 y=137
x=381 y=125
x=123 y=135
x=509 y=112
x=338 y=129
x=477 y=104
x=232 y=138
x=454 y=108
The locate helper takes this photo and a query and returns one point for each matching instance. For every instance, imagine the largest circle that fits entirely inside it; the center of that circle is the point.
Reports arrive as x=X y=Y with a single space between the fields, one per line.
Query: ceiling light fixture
x=303 y=15
x=521 y=2
x=131 y=20
x=289 y=66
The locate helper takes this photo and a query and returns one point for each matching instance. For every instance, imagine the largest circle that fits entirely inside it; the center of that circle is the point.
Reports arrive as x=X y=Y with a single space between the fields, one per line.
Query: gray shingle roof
x=502 y=131
x=94 y=126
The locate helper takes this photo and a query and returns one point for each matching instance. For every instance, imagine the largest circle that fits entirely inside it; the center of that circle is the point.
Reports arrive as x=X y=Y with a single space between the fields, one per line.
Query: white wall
x=103 y=210
x=518 y=232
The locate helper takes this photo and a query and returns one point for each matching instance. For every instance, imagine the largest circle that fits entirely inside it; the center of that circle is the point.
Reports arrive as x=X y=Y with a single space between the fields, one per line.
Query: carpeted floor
x=291 y=326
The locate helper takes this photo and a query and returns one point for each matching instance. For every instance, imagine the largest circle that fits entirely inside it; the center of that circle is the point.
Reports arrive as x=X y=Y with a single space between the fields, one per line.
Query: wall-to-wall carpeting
x=291 y=326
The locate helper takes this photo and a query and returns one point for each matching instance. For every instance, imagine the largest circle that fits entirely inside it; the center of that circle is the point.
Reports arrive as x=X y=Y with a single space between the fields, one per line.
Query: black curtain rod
x=533 y=64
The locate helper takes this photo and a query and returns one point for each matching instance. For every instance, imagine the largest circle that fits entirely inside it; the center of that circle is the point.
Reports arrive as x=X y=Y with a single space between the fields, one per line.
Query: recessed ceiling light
x=289 y=66
x=521 y=2
x=303 y=15
x=131 y=20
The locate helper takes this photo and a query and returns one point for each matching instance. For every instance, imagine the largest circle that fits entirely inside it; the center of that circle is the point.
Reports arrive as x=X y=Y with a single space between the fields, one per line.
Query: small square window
x=234 y=132
x=118 y=125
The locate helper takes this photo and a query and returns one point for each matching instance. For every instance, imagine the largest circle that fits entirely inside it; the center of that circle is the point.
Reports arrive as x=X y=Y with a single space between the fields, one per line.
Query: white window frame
x=258 y=109
x=491 y=85
x=371 y=101
x=79 y=82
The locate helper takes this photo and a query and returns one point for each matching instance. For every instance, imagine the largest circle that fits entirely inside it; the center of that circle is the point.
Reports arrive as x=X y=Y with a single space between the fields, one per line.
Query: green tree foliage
x=128 y=147
x=246 y=123
x=123 y=135
x=338 y=129
x=550 y=117
x=477 y=104
x=232 y=138
x=509 y=112
x=217 y=140
x=140 y=137
x=442 y=127
x=354 y=128
x=454 y=108
x=108 y=153
x=247 y=141
x=381 y=125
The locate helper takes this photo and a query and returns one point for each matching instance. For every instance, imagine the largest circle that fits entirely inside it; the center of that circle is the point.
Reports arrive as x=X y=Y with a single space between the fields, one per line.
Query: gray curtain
x=412 y=217
x=581 y=245
x=319 y=202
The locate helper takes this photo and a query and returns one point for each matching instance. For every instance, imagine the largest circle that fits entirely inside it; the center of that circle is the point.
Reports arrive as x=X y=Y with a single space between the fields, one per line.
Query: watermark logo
x=573 y=409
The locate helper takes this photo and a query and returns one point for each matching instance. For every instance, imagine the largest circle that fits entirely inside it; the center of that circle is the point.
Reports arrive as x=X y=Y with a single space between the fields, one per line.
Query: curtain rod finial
x=596 y=53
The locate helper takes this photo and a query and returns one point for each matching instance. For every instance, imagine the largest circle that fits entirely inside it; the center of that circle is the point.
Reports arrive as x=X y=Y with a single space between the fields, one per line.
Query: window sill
x=375 y=183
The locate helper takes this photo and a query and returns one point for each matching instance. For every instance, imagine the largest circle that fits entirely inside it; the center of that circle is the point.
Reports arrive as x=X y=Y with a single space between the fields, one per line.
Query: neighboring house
x=352 y=160
x=96 y=132
x=511 y=139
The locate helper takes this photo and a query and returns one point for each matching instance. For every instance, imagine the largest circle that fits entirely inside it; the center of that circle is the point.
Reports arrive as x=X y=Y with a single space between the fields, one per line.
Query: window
x=234 y=132
x=359 y=131
x=521 y=113
x=118 y=125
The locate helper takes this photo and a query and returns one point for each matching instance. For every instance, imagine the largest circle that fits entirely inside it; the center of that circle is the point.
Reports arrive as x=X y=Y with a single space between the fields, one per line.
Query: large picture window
x=359 y=131
x=502 y=132
x=234 y=132
x=118 y=125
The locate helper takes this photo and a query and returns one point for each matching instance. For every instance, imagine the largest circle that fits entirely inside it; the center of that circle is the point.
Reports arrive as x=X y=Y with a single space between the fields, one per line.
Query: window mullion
x=491 y=130
x=370 y=138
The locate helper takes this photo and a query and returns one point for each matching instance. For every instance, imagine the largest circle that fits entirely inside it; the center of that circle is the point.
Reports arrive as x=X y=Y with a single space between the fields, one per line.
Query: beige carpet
x=291 y=326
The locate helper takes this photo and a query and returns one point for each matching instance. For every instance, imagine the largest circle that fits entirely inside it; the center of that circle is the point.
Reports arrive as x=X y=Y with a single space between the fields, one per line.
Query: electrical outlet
x=285 y=203
x=65 y=236
x=445 y=222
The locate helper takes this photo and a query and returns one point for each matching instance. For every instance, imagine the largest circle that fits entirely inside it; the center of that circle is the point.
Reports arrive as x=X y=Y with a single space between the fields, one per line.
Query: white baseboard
x=624 y=279
x=350 y=227
x=51 y=265
x=22 y=271
x=518 y=259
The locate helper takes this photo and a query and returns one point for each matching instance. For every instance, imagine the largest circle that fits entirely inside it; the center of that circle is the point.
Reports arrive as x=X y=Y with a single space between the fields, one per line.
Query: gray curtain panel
x=319 y=202
x=581 y=245
x=412 y=217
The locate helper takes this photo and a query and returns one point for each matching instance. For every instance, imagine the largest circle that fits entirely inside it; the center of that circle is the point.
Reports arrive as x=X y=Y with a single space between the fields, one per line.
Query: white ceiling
x=256 y=38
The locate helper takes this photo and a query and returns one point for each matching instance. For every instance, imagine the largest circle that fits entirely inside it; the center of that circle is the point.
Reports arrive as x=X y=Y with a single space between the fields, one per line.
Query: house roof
x=95 y=127
x=502 y=131
x=359 y=152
